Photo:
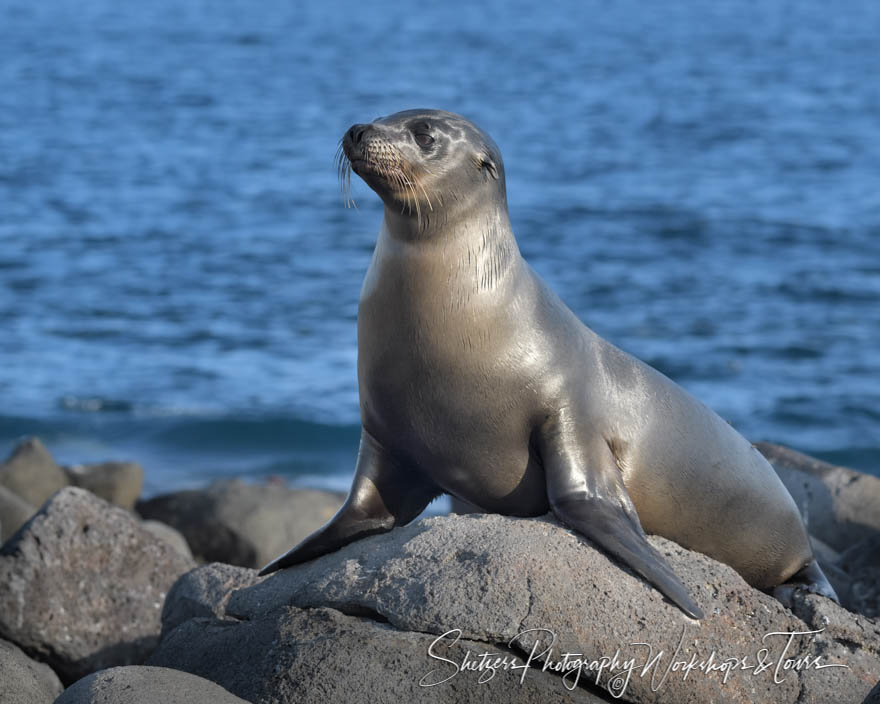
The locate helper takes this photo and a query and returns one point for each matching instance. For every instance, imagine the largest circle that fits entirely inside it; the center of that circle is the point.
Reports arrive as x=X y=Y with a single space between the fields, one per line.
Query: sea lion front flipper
x=384 y=494
x=587 y=494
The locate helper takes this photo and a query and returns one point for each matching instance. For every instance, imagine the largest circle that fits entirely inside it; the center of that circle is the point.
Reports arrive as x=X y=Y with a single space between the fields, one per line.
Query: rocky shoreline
x=123 y=600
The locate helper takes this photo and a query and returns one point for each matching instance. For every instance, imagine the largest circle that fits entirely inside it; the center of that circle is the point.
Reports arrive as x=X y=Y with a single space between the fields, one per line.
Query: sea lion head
x=426 y=164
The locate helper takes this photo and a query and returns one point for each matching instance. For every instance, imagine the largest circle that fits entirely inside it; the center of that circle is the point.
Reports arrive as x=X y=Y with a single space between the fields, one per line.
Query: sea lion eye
x=423 y=139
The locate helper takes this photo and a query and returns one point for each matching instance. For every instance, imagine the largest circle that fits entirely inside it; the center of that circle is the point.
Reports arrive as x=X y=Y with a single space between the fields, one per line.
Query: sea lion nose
x=356 y=133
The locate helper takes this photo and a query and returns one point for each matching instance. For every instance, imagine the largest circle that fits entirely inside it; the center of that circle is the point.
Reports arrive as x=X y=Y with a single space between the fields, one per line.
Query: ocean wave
x=178 y=450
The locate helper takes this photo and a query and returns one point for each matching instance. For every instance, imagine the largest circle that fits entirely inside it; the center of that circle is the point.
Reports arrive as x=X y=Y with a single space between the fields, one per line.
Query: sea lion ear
x=486 y=164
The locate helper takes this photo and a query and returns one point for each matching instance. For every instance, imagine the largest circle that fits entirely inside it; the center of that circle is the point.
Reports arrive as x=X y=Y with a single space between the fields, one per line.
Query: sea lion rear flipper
x=383 y=495
x=587 y=494
x=809 y=578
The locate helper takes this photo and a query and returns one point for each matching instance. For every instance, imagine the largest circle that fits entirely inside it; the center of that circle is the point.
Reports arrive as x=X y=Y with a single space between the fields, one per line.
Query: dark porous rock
x=242 y=524
x=31 y=472
x=317 y=656
x=840 y=506
x=854 y=574
x=24 y=681
x=861 y=565
x=14 y=513
x=203 y=592
x=145 y=685
x=170 y=535
x=119 y=483
x=496 y=578
x=82 y=585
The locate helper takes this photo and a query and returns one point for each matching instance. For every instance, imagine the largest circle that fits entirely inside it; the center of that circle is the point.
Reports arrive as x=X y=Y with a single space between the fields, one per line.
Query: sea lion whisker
x=403 y=182
x=343 y=173
x=411 y=198
x=400 y=184
x=409 y=180
x=418 y=182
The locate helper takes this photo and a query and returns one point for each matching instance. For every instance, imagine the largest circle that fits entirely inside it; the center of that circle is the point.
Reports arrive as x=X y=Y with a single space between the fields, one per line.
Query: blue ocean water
x=700 y=181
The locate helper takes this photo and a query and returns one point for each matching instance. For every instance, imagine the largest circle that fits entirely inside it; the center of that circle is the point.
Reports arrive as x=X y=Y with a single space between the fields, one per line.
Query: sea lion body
x=467 y=421
x=477 y=381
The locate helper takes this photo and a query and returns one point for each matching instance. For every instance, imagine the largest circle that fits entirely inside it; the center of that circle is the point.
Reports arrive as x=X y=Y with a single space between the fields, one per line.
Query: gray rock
x=14 y=513
x=840 y=506
x=24 y=681
x=145 y=685
x=853 y=640
x=320 y=655
x=82 y=585
x=31 y=472
x=119 y=483
x=203 y=592
x=824 y=553
x=861 y=565
x=242 y=524
x=170 y=535
x=496 y=577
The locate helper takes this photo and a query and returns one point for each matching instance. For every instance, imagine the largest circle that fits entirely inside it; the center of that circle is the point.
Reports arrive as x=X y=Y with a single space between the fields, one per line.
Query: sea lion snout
x=356 y=133
x=354 y=142
x=369 y=150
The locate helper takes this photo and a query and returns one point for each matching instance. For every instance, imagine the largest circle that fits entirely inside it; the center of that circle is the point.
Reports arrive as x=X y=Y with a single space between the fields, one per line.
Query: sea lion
x=476 y=380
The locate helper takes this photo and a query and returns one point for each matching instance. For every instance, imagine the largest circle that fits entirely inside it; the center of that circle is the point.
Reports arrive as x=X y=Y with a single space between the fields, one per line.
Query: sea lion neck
x=470 y=255
x=447 y=227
